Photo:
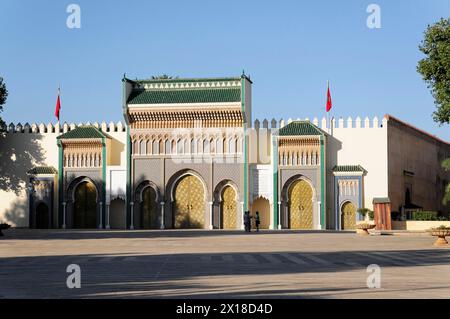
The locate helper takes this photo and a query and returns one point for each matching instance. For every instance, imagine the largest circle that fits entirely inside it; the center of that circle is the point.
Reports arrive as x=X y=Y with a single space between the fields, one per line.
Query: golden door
x=85 y=206
x=189 y=203
x=348 y=216
x=149 y=213
x=300 y=205
x=229 y=208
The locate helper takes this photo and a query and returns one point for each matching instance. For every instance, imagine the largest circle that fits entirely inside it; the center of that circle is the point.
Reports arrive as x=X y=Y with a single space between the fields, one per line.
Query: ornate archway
x=300 y=196
x=348 y=216
x=149 y=214
x=229 y=208
x=262 y=206
x=42 y=216
x=189 y=202
x=85 y=205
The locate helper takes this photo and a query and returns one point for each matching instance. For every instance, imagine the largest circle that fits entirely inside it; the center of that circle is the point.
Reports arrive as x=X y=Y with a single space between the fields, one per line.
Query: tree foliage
x=446 y=166
x=3 y=96
x=435 y=67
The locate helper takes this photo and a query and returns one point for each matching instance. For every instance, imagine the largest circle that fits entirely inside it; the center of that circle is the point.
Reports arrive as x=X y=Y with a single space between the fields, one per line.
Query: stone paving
x=220 y=264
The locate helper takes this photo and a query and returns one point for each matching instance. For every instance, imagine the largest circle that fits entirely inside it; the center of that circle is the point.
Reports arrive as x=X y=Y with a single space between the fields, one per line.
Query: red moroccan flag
x=329 y=103
x=58 y=105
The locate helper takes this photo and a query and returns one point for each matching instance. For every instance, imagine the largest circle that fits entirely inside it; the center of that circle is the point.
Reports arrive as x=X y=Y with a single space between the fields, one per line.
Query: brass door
x=85 y=213
x=229 y=208
x=189 y=203
x=149 y=212
x=300 y=205
x=348 y=216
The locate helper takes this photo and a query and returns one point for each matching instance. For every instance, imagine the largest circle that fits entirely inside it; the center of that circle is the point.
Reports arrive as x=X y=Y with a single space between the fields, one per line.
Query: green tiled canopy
x=300 y=128
x=83 y=132
x=348 y=168
x=43 y=170
x=212 y=95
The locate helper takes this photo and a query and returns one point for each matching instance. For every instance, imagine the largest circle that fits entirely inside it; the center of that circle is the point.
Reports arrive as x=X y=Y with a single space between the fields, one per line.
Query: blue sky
x=289 y=48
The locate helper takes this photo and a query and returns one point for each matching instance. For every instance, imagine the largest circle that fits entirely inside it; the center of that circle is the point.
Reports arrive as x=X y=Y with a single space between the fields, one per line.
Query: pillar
x=132 y=216
x=279 y=215
x=64 y=215
x=211 y=215
x=100 y=226
x=107 y=217
x=162 y=216
x=242 y=216
x=319 y=209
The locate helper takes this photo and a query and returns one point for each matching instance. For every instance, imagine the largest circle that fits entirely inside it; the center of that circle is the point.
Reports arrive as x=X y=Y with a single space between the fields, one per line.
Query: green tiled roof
x=348 y=168
x=300 y=128
x=47 y=170
x=185 y=96
x=83 y=132
x=189 y=80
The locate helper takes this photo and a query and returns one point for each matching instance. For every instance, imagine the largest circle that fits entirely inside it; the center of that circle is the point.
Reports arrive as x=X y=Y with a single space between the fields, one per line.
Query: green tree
x=446 y=166
x=435 y=67
x=435 y=70
x=3 y=96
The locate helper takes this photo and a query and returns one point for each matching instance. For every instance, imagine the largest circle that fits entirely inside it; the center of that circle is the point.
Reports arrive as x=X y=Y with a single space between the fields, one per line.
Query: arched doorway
x=117 y=214
x=348 y=216
x=85 y=205
x=42 y=216
x=229 y=208
x=300 y=205
x=189 y=203
x=149 y=215
x=262 y=206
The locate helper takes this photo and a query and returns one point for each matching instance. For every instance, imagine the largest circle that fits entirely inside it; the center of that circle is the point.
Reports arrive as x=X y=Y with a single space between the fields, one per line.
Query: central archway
x=189 y=203
x=300 y=205
x=229 y=208
x=85 y=205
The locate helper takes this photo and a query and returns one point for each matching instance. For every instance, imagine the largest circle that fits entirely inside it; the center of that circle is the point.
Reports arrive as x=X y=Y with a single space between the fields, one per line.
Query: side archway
x=348 y=216
x=299 y=199
x=42 y=216
x=262 y=206
x=148 y=197
x=226 y=199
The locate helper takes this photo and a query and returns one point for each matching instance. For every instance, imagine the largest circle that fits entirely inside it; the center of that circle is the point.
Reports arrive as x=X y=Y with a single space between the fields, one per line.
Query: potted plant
x=440 y=232
x=2 y=227
x=364 y=212
x=363 y=228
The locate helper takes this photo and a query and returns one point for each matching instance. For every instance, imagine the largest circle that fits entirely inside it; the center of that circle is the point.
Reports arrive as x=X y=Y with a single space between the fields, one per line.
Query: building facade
x=190 y=156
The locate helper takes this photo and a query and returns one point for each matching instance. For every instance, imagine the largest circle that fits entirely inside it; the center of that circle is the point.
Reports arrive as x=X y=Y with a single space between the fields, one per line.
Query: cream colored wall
x=366 y=146
x=21 y=152
x=418 y=225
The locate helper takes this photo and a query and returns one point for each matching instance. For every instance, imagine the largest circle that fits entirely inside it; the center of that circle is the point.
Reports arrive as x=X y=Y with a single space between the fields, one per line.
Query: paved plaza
x=220 y=264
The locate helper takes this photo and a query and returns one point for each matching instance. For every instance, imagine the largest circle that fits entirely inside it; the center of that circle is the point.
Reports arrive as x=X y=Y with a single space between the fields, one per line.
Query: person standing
x=246 y=221
x=257 y=221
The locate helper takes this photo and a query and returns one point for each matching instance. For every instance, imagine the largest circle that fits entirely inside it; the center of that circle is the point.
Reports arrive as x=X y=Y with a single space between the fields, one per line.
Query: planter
x=363 y=229
x=2 y=227
x=440 y=233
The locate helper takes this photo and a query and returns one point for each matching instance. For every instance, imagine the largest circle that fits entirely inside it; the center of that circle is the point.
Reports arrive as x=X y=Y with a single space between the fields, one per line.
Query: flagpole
x=328 y=116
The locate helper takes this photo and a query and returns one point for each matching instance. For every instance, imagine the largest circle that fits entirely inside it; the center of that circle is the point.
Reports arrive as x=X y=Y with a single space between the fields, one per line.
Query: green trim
x=275 y=182
x=128 y=187
x=60 y=182
x=103 y=212
x=187 y=80
x=322 y=182
x=245 y=144
x=296 y=128
x=348 y=168
x=85 y=131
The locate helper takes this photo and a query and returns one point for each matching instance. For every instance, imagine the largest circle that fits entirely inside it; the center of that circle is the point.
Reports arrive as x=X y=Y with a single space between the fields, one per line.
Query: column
x=64 y=215
x=319 y=206
x=242 y=216
x=211 y=215
x=279 y=215
x=100 y=226
x=132 y=215
x=162 y=215
x=107 y=216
